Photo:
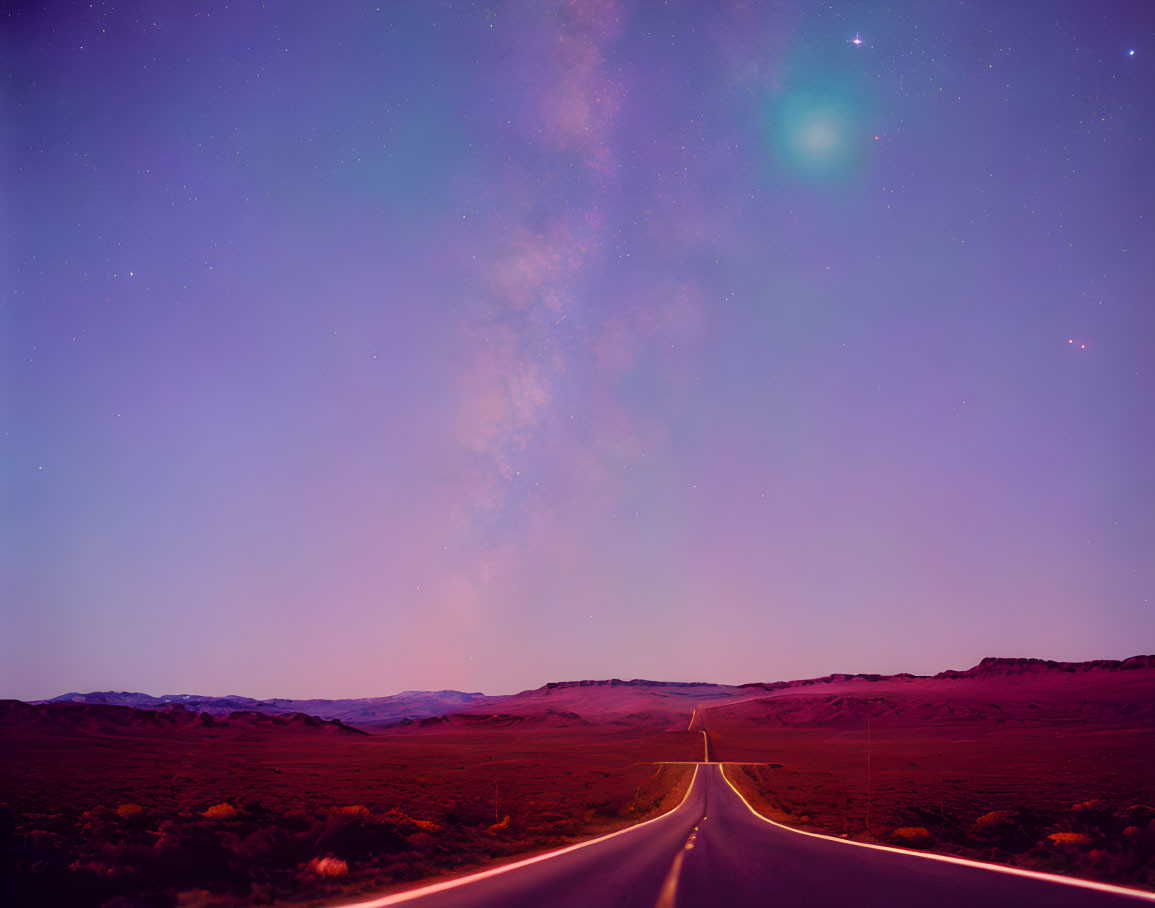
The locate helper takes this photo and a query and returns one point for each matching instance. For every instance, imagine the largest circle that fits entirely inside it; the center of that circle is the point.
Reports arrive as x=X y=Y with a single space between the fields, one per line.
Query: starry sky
x=352 y=348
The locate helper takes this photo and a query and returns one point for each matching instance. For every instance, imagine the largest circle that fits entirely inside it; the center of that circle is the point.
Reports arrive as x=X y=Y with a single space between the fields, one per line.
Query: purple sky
x=354 y=348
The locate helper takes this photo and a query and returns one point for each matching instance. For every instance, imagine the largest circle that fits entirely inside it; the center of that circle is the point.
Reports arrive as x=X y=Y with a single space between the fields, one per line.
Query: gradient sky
x=356 y=348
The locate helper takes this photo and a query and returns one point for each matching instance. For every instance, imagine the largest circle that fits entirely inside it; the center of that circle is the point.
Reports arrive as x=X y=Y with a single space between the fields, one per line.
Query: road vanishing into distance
x=714 y=851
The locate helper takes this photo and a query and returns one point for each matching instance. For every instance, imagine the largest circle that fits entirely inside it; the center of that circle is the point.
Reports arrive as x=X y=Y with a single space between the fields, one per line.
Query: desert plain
x=1038 y=764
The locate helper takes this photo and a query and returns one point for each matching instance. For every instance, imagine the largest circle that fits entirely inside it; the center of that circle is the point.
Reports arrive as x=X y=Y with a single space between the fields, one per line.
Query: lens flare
x=817 y=132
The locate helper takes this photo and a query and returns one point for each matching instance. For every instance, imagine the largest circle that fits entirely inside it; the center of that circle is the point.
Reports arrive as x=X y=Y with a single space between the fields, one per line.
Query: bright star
x=857 y=40
x=1131 y=52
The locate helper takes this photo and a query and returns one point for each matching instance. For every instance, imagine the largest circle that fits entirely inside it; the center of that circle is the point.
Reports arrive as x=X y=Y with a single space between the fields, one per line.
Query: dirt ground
x=1050 y=770
x=1066 y=799
x=249 y=815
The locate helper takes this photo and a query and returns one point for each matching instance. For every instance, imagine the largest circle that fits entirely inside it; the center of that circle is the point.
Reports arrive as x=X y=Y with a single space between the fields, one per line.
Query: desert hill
x=1006 y=690
x=1007 y=668
x=104 y=719
x=364 y=712
x=990 y=667
x=615 y=701
x=557 y=703
x=644 y=702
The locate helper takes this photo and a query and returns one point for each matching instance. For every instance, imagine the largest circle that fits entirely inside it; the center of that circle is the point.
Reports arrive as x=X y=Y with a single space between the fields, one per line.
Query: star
x=857 y=40
x=1131 y=52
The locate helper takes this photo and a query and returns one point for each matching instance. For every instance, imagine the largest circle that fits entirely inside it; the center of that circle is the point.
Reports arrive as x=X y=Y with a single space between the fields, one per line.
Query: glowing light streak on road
x=948 y=859
x=400 y=897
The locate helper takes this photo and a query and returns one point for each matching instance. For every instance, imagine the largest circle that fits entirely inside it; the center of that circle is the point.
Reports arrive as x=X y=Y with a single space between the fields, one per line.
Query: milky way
x=356 y=348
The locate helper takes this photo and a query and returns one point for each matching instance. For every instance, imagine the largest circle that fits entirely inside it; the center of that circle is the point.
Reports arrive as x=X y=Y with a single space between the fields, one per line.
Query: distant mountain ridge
x=564 y=702
x=365 y=712
x=990 y=667
x=1001 y=666
x=618 y=682
x=105 y=718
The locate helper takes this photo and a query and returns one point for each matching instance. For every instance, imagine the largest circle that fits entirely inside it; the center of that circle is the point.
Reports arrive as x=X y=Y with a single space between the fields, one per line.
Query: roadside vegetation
x=1107 y=840
x=267 y=818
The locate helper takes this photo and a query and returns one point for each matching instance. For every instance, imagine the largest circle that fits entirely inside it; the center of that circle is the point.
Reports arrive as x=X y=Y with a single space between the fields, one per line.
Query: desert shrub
x=41 y=845
x=1093 y=814
x=331 y=868
x=419 y=841
x=1104 y=863
x=354 y=810
x=296 y=818
x=272 y=846
x=97 y=822
x=1004 y=829
x=403 y=821
x=504 y=824
x=222 y=811
x=356 y=837
x=190 y=853
x=469 y=813
x=990 y=825
x=124 y=811
x=607 y=809
x=1069 y=838
x=910 y=835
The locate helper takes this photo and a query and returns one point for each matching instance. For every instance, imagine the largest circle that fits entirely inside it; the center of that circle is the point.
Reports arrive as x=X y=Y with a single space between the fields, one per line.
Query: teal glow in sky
x=818 y=130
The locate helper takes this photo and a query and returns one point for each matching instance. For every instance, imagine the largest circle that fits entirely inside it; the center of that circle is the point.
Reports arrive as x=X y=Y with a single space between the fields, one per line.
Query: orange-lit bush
x=910 y=835
x=402 y=820
x=504 y=824
x=989 y=824
x=1093 y=814
x=222 y=811
x=1069 y=838
x=332 y=868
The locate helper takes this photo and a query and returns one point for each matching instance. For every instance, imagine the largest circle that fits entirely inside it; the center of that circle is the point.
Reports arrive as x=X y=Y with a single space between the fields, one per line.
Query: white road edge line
x=950 y=859
x=398 y=897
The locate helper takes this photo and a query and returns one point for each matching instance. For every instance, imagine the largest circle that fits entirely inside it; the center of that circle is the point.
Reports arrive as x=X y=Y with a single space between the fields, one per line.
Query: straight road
x=713 y=851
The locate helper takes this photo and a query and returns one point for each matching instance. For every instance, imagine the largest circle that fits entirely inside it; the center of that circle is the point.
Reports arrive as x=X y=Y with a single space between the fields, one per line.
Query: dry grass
x=287 y=814
x=1064 y=799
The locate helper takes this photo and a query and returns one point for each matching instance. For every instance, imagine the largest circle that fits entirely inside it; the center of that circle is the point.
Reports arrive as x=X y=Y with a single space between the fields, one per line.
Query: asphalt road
x=713 y=852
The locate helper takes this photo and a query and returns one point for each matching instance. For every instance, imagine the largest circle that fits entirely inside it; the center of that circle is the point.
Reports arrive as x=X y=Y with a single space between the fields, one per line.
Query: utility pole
x=846 y=804
x=868 y=768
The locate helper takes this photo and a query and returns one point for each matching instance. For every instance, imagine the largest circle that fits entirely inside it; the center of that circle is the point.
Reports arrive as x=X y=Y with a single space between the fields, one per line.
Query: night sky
x=349 y=349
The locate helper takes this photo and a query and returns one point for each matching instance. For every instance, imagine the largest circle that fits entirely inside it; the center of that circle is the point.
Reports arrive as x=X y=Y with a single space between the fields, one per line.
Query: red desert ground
x=127 y=799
